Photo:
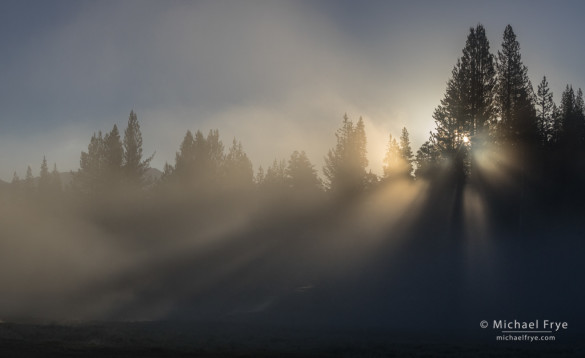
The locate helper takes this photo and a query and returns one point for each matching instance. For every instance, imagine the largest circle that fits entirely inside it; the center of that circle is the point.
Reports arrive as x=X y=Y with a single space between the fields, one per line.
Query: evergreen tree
x=199 y=160
x=184 y=159
x=15 y=179
x=237 y=168
x=44 y=178
x=467 y=110
x=345 y=165
x=427 y=157
x=398 y=161
x=89 y=178
x=113 y=157
x=133 y=163
x=394 y=164
x=572 y=119
x=29 y=182
x=301 y=174
x=56 y=184
x=545 y=112
x=514 y=94
x=478 y=76
x=260 y=176
x=275 y=179
x=406 y=151
x=16 y=187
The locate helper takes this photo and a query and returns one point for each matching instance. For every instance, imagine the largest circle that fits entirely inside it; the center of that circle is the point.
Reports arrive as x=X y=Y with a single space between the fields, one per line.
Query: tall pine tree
x=134 y=165
x=514 y=93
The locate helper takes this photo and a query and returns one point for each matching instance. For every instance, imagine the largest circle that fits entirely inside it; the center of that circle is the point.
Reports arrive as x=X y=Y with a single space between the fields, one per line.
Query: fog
x=155 y=257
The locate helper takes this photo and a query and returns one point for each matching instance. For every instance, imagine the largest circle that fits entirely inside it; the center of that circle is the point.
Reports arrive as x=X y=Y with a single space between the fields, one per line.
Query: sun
x=465 y=139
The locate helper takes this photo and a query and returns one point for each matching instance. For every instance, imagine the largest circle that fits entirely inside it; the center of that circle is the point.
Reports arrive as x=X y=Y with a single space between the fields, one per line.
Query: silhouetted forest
x=483 y=220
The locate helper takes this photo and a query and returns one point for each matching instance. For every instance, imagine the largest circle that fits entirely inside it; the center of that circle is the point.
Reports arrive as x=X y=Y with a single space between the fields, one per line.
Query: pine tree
x=406 y=151
x=89 y=178
x=478 y=75
x=275 y=179
x=237 y=168
x=427 y=158
x=133 y=163
x=572 y=119
x=260 y=176
x=29 y=182
x=467 y=111
x=15 y=179
x=514 y=94
x=199 y=160
x=56 y=184
x=545 y=112
x=113 y=157
x=345 y=165
x=394 y=164
x=44 y=178
x=301 y=174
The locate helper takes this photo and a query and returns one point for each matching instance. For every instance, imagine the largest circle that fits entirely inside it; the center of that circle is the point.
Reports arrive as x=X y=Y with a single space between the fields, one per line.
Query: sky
x=277 y=75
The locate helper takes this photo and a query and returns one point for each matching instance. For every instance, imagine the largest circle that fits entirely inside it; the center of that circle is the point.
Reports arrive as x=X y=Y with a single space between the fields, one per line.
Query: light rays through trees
x=210 y=237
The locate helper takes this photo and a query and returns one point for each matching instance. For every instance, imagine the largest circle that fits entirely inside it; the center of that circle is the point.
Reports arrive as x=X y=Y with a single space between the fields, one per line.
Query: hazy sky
x=277 y=75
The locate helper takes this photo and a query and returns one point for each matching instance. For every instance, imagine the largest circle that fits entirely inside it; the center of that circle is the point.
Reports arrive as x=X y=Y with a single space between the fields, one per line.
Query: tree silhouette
x=545 y=113
x=199 y=160
x=113 y=157
x=572 y=119
x=301 y=174
x=406 y=150
x=514 y=93
x=427 y=158
x=89 y=178
x=133 y=163
x=398 y=161
x=56 y=183
x=237 y=168
x=478 y=74
x=29 y=182
x=393 y=162
x=345 y=165
x=44 y=179
x=275 y=179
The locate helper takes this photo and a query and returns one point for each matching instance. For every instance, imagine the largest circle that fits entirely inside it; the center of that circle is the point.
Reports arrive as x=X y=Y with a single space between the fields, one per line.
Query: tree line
x=489 y=106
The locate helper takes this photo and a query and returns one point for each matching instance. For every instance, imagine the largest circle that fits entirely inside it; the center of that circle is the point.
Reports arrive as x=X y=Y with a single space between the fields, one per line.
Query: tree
x=56 y=184
x=545 y=113
x=398 y=161
x=113 y=157
x=89 y=178
x=237 y=168
x=133 y=163
x=301 y=174
x=406 y=151
x=275 y=179
x=573 y=120
x=427 y=158
x=260 y=176
x=393 y=163
x=29 y=182
x=467 y=110
x=514 y=93
x=478 y=74
x=44 y=178
x=345 y=165
x=199 y=160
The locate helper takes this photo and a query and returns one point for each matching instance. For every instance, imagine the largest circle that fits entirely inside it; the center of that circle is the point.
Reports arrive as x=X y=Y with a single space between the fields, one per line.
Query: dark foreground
x=165 y=339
